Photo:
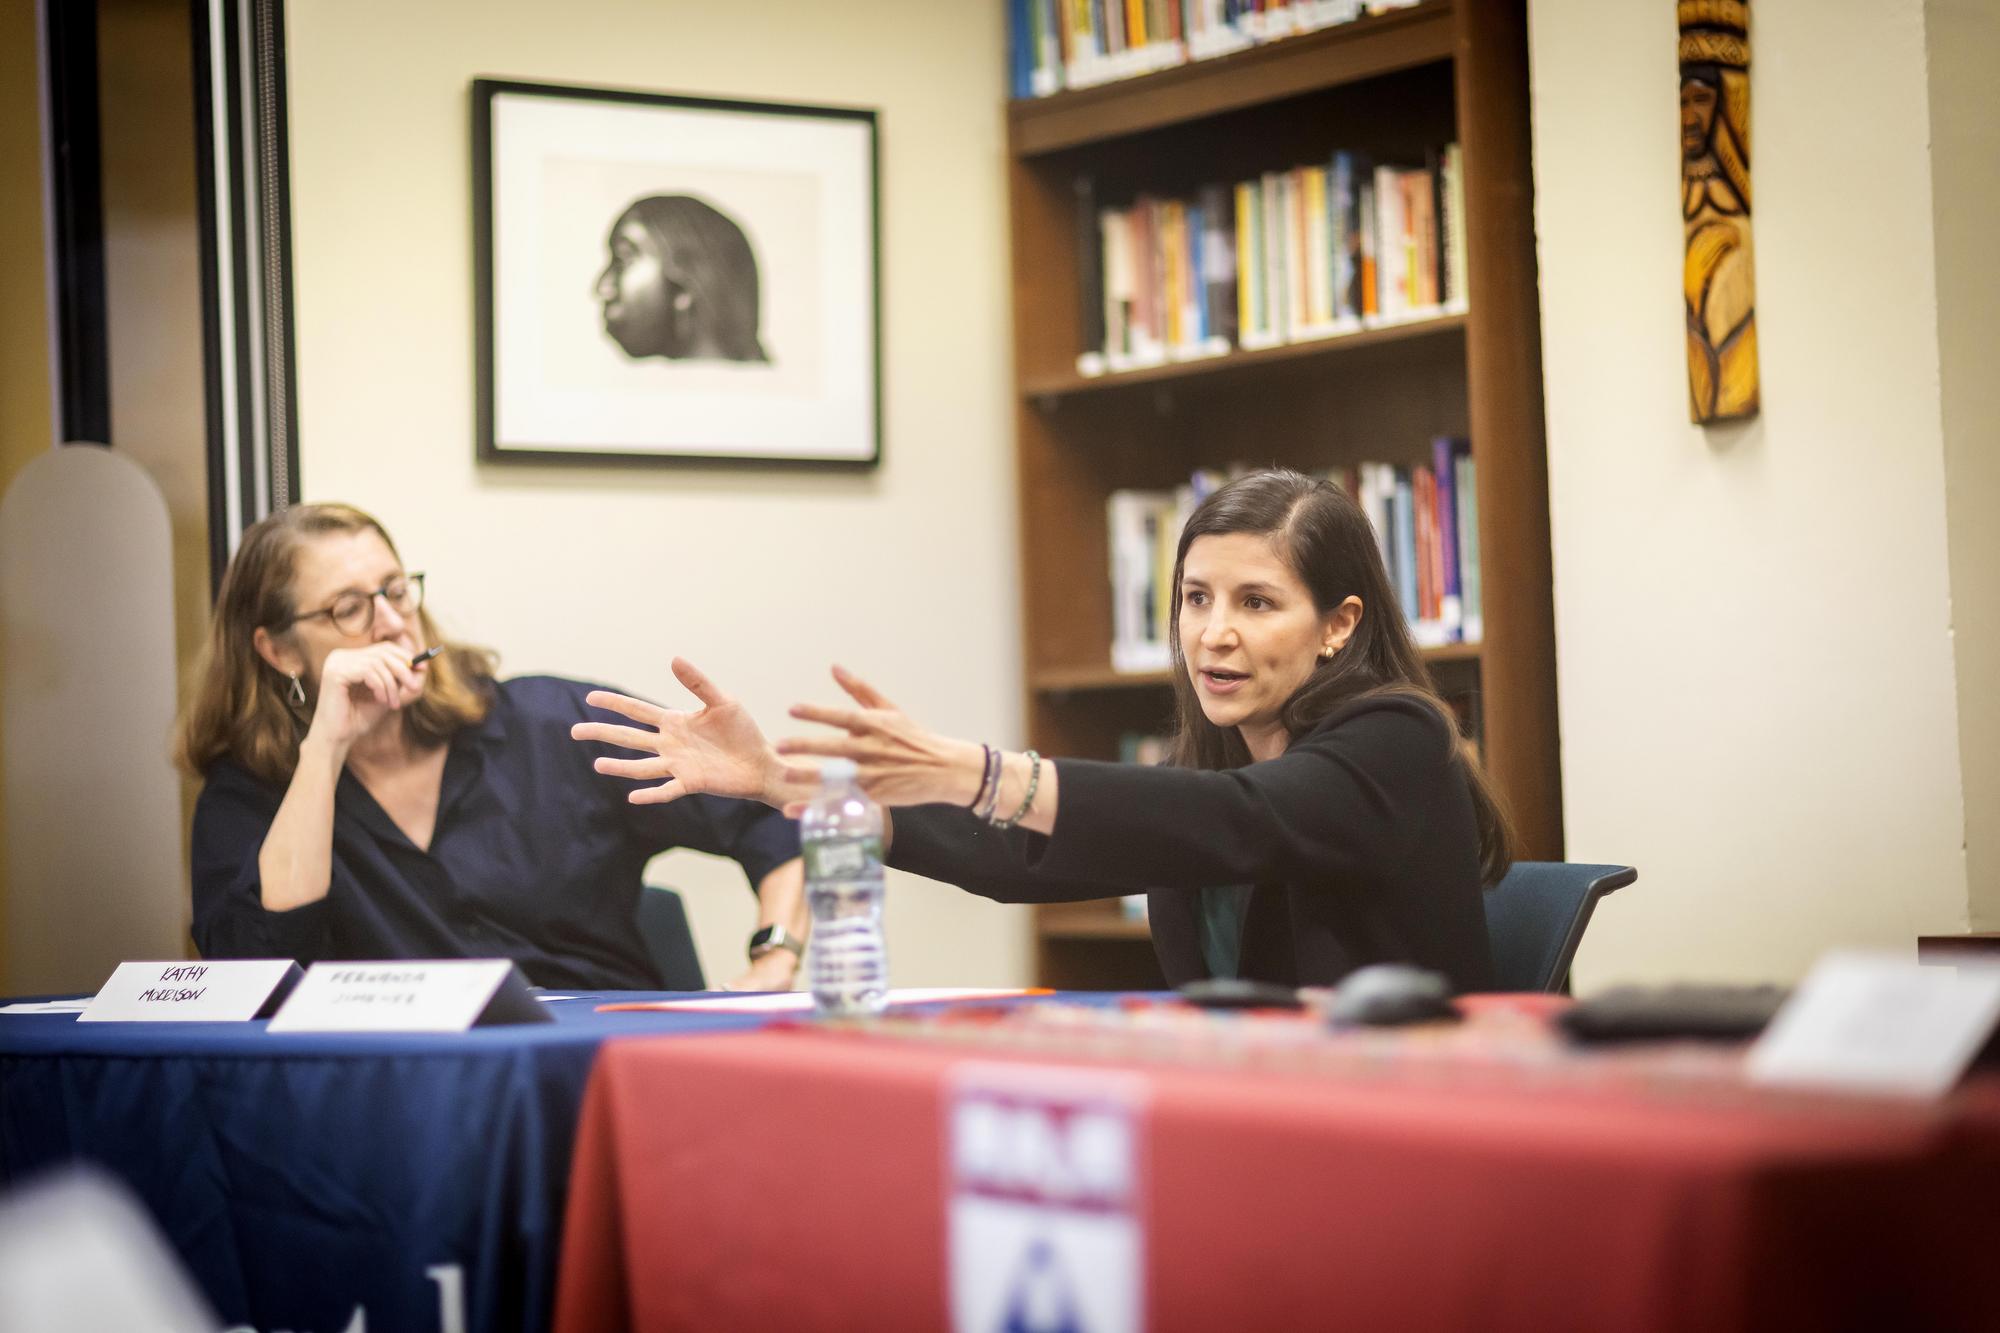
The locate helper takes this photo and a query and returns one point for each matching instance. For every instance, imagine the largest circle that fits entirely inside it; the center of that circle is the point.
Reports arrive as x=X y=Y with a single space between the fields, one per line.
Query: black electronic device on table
x=1239 y=993
x=1389 y=995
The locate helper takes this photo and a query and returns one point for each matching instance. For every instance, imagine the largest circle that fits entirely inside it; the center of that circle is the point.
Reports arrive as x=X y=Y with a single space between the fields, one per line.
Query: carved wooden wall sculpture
x=1719 y=278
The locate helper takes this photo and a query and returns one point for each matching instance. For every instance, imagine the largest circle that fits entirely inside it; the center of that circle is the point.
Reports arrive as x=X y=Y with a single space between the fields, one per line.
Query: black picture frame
x=669 y=279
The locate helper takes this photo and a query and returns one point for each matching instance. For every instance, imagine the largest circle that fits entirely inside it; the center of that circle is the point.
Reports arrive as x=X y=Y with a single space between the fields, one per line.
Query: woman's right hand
x=717 y=749
x=358 y=687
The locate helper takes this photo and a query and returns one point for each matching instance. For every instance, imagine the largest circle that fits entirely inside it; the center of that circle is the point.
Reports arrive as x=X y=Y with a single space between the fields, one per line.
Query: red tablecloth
x=796 y=1179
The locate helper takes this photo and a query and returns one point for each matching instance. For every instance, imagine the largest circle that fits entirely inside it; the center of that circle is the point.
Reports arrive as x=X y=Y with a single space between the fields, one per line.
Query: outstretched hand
x=897 y=761
x=717 y=749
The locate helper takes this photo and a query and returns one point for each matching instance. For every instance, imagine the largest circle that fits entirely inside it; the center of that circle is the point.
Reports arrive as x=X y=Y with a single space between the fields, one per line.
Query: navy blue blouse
x=536 y=856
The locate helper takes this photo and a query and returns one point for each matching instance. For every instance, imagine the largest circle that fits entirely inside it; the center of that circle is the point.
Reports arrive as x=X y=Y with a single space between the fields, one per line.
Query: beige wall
x=907 y=574
x=26 y=427
x=1965 y=166
x=1754 y=623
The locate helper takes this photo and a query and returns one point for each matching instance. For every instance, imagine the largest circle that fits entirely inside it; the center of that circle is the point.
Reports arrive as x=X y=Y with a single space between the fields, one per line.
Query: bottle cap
x=837 y=770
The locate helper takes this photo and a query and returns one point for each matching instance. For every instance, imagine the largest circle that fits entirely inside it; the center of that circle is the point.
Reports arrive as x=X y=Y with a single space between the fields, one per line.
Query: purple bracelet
x=985 y=775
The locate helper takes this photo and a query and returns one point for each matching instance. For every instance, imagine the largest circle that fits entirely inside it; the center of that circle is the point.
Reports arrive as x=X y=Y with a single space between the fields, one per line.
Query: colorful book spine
x=1371 y=272
x=1271 y=248
x=1092 y=326
x=1423 y=516
x=1451 y=193
x=1218 y=269
x=1444 y=457
x=1404 y=534
x=1466 y=475
x=1249 y=265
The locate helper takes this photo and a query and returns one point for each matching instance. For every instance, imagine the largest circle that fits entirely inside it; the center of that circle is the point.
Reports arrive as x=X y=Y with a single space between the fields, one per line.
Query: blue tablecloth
x=324 y=1183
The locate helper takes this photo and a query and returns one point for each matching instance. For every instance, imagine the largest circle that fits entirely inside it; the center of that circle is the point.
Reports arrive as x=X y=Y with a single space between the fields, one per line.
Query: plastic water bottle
x=847 y=964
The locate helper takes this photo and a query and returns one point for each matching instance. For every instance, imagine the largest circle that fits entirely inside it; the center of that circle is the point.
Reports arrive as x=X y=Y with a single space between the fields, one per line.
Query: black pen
x=425 y=656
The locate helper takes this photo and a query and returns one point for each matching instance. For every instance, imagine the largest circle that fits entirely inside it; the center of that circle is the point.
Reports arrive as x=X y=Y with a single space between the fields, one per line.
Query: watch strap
x=769 y=939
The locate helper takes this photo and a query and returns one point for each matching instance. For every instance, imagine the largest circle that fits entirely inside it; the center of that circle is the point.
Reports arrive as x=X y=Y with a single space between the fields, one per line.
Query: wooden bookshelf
x=1105 y=925
x=1068 y=680
x=1391 y=85
x=1251 y=79
x=1050 y=392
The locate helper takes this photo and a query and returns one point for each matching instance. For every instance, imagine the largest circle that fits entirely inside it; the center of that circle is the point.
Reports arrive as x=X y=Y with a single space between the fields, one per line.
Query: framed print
x=674 y=278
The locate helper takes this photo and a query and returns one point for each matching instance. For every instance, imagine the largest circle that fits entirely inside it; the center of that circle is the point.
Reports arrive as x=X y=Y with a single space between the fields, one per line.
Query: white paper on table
x=1879 y=1023
x=798 y=1001
x=46 y=1007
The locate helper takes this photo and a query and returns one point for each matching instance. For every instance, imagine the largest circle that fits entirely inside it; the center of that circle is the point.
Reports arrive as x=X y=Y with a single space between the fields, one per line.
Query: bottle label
x=842 y=858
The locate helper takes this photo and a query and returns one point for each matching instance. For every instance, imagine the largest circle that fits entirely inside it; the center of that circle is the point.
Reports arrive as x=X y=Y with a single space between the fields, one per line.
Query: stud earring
x=297 y=694
x=683 y=300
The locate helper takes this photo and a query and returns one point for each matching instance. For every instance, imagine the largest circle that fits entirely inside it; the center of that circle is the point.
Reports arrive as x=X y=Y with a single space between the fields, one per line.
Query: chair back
x=1535 y=919
x=663 y=927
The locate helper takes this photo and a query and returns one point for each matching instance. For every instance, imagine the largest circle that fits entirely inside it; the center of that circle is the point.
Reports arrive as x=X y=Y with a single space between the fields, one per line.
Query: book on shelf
x=1058 y=44
x=1426 y=520
x=1465 y=489
x=1142 y=528
x=1315 y=251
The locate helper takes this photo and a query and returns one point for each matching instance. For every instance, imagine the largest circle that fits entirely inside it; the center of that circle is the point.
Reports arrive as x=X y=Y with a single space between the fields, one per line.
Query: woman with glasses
x=370 y=790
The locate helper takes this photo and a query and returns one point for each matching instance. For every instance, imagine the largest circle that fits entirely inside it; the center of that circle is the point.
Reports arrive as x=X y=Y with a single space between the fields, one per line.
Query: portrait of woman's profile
x=681 y=283
x=660 y=276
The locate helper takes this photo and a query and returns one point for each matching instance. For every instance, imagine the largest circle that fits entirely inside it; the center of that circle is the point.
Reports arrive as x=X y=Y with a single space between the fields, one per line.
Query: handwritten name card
x=182 y=992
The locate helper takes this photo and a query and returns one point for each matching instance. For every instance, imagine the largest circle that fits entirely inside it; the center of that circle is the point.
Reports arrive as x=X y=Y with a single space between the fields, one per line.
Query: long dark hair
x=1329 y=544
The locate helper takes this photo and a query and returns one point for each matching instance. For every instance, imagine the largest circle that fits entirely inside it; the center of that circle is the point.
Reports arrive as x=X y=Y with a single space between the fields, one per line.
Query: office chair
x=1535 y=919
x=663 y=927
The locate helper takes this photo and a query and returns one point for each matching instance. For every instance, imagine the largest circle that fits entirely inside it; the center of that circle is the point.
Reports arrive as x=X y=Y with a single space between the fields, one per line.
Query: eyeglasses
x=353 y=613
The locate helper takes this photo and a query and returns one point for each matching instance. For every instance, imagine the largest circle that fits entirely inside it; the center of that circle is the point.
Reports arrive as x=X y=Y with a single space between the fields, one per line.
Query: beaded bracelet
x=1027 y=801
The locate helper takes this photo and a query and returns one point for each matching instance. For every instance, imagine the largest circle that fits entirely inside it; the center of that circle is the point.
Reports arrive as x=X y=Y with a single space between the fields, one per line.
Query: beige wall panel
x=1965 y=169
x=1753 y=623
x=764 y=578
x=93 y=824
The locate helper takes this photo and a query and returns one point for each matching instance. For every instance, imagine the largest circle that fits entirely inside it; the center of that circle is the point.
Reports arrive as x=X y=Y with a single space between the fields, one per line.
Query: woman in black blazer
x=1317 y=814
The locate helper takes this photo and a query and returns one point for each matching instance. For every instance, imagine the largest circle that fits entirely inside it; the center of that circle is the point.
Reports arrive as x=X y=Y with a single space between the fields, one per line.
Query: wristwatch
x=768 y=939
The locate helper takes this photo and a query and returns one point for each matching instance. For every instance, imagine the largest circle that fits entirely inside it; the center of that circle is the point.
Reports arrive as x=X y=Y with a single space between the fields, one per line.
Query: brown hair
x=237 y=708
x=1328 y=542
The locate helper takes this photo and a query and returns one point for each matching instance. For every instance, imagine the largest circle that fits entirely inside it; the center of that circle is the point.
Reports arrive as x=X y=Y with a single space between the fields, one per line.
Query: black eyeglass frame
x=414 y=580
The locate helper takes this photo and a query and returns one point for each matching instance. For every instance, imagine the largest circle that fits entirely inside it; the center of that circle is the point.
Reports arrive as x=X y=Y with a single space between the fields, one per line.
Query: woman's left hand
x=899 y=762
x=776 y=970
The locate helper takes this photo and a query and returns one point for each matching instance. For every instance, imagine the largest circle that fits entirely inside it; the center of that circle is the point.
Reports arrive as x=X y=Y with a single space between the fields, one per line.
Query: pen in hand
x=425 y=656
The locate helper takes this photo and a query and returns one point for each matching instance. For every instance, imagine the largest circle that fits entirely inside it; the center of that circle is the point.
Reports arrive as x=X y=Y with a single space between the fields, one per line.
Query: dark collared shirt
x=536 y=856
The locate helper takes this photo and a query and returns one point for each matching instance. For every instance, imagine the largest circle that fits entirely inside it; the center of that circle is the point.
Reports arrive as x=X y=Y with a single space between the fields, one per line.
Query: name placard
x=183 y=992
x=1863 y=1022
x=445 y=995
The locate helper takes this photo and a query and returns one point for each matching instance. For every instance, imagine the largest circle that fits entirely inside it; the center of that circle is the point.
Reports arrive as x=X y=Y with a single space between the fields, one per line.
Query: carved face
x=1697 y=117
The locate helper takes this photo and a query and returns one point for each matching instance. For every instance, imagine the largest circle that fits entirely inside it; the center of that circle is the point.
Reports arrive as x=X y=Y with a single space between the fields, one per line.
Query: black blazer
x=1359 y=840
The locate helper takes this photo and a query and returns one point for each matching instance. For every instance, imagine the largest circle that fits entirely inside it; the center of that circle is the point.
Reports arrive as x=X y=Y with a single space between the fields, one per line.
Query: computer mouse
x=1388 y=994
x=1239 y=993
